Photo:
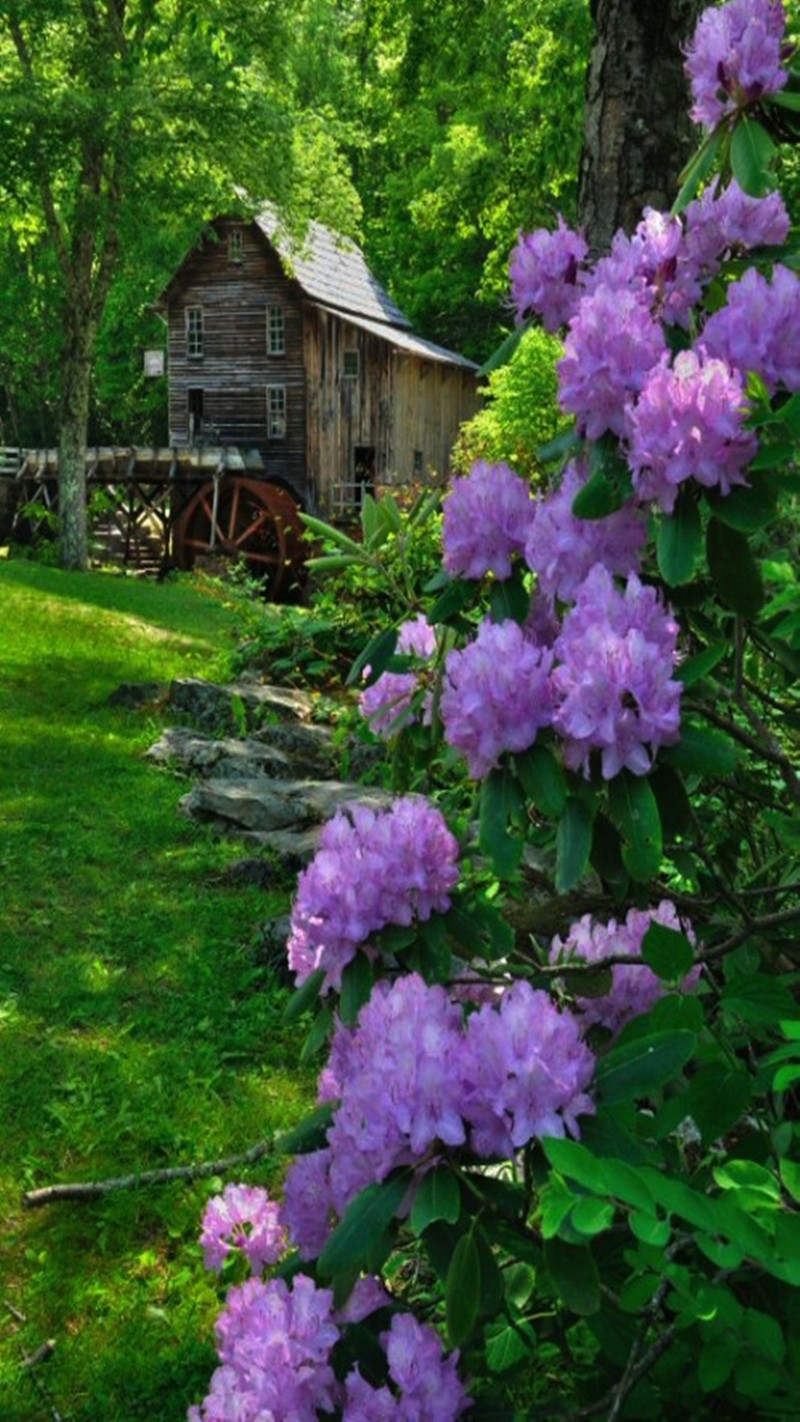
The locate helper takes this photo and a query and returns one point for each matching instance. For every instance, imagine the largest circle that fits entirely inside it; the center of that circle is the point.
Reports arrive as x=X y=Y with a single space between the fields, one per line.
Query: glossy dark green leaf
x=597 y=498
x=358 y=980
x=606 y=855
x=309 y=1134
x=456 y=596
x=500 y=804
x=573 y=843
x=698 y=666
x=746 y=510
x=319 y=1033
x=733 y=569
x=635 y=1069
x=591 y=1216
x=438 y=1198
x=509 y=600
x=366 y=1219
x=718 y=1097
x=507 y=1344
x=674 y=806
x=634 y=810
x=680 y=537
x=752 y=153
x=376 y=655
x=573 y=1160
x=667 y=952
x=462 y=1291
x=305 y=998
x=574 y=1275
x=701 y=750
x=697 y=169
x=542 y=779
x=758 y=998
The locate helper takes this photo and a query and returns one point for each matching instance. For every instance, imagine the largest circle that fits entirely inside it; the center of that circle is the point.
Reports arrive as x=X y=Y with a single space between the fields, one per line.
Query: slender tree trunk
x=637 y=134
x=73 y=428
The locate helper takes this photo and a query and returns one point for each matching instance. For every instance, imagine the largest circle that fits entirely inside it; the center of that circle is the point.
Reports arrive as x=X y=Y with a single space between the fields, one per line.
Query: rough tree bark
x=637 y=134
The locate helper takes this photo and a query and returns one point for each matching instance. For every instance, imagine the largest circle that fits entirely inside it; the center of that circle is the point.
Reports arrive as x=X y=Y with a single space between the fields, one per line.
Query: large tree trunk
x=73 y=428
x=637 y=134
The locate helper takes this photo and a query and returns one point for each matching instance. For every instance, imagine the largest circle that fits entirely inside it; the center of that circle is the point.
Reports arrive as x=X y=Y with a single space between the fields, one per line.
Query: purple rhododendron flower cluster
x=544 y=274
x=734 y=58
x=387 y=704
x=757 y=329
x=496 y=695
x=613 y=688
x=612 y=344
x=562 y=549
x=485 y=520
x=688 y=423
x=726 y=221
x=634 y=989
x=243 y=1217
x=411 y=1075
x=274 y=1343
x=428 y=1384
x=371 y=869
x=525 y=1072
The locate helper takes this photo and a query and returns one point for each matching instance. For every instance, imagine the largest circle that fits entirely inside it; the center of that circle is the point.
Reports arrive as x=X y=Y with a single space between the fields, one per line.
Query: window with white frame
x=350 y=367
x=276 y=331
x=235 y=245
x=276 y=412
x=194 y=332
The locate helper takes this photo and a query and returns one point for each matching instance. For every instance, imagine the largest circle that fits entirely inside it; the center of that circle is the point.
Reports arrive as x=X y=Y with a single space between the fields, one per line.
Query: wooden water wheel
x=234 y=517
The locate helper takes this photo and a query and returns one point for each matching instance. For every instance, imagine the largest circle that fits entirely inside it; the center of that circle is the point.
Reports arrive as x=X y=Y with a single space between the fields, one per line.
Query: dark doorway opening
x=195 y=406
x=363 y=472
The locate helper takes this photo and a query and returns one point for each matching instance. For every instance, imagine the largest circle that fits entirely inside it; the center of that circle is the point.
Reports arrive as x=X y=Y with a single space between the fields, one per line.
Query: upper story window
x=276 y=412
x=350 y=367
x=194 y=332
x=276 y=331
x=235 y=245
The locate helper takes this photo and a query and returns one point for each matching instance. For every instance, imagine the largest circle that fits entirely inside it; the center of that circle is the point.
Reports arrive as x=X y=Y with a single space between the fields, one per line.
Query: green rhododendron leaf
x=365 y=1220
x=462 y=1293
x=573 y=844
x=680 y=537
x=438 y=1198
x=574 y=1275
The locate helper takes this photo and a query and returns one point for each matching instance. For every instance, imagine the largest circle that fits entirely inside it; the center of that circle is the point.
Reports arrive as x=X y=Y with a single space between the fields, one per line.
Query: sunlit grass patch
x=138 y=1026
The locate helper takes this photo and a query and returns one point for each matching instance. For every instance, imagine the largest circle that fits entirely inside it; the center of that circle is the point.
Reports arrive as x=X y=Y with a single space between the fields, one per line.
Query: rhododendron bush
x=554 y=1166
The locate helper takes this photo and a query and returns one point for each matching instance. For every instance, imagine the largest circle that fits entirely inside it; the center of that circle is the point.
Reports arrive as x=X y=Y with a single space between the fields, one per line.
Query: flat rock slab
x=237 y=706
x=264 y=805
x=181 y=748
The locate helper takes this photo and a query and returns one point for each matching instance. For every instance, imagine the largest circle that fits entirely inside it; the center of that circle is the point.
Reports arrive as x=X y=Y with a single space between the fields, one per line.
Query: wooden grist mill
x=294 y=382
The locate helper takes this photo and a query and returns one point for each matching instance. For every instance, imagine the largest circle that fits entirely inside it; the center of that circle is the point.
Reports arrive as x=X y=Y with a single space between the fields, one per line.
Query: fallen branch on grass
x=93 y=1189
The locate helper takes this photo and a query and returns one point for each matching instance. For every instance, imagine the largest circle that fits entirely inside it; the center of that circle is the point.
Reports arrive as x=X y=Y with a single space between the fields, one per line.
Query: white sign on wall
x=154 y=362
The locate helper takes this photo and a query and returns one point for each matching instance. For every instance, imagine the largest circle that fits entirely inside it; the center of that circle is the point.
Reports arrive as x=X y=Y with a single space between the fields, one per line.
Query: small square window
x=235 y=245
x=276 y=412
x=276 y=331
x=194 y=332
x=418 y=465
x=350 y=368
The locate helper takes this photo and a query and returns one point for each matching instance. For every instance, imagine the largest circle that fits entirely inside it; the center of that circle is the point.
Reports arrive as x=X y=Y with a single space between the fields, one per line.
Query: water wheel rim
x=248 y=518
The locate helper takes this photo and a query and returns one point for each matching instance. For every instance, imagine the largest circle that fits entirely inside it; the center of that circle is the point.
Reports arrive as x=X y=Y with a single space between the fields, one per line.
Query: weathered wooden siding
x=405 y=409
x=431 y=402
x=236 y=368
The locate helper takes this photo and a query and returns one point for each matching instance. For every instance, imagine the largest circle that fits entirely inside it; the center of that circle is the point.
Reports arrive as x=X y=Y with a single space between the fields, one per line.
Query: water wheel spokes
x=242 y=518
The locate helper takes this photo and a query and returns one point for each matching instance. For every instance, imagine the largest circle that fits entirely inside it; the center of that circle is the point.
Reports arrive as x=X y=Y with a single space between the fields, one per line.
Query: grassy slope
x=136 y=1027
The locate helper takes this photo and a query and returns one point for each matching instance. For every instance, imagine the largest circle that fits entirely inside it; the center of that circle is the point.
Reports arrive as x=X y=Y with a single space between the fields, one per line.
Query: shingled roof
x=331 y=269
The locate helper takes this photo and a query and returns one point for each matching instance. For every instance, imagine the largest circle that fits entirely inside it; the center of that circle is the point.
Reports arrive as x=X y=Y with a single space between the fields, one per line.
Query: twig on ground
x=93 y=1189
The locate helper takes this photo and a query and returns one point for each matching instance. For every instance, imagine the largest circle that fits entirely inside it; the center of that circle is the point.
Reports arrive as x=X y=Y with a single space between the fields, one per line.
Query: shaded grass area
x=138 y=1027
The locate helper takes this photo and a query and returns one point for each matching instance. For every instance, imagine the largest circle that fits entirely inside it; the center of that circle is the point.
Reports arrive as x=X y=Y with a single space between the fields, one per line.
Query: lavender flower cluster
x=735 y=58
x=371 y=869
x=275 y=1343
x=243 y=1217
x=634 y=989
x=388 y=704
x=412 y=1078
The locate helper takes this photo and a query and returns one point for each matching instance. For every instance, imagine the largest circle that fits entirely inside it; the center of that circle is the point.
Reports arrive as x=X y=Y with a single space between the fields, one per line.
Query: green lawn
x=137 y=1027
